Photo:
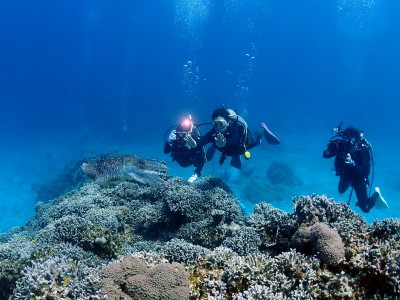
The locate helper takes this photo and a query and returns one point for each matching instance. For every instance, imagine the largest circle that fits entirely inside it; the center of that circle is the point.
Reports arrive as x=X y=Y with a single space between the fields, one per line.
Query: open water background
x=81 y=77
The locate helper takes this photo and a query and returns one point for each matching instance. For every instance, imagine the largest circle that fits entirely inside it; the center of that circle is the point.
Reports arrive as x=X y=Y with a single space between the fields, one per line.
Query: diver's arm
x=190 y=142
x=193 y=140
x=359 y=164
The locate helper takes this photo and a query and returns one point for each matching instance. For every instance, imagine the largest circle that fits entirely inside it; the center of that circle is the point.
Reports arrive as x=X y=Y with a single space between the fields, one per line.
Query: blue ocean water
x=81 y=77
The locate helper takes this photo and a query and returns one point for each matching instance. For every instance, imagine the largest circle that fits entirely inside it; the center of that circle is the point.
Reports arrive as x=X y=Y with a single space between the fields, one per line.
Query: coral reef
x=196 y=213
x=177 y=240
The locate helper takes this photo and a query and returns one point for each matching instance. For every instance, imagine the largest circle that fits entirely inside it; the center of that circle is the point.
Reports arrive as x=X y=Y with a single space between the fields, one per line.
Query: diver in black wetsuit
x=353 y=157
x=182 y=144
x=230 y=136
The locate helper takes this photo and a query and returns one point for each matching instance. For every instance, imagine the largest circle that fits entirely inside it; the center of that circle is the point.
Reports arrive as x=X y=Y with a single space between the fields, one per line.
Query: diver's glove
x=190 y=141
x=348 y=160
x=172 y=136
x=220 y=140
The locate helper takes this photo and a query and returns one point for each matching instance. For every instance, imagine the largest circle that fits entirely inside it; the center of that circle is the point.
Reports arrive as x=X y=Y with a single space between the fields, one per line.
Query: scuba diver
x=353 y=159
x=182 y=145
x=230 y=136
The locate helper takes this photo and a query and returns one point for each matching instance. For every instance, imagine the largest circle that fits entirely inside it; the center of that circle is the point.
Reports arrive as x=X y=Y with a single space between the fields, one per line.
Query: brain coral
x=327 y=243
x=321 y=240
x=133 y=279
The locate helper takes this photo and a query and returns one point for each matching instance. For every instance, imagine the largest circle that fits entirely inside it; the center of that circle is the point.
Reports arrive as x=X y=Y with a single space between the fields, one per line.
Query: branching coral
x=273 y=225
x=57 y=277
x=183 y=252
x=244 y=241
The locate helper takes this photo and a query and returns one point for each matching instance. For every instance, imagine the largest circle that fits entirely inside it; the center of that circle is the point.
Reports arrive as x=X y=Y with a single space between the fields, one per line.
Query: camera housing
x=337 y=146
x=180 y=135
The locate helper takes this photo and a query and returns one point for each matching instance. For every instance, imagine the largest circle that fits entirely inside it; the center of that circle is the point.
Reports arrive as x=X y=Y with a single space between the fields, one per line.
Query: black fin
x=271 y=138
x=236 y=162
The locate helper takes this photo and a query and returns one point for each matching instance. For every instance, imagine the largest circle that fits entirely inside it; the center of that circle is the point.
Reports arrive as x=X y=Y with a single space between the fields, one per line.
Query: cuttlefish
x=112 y=169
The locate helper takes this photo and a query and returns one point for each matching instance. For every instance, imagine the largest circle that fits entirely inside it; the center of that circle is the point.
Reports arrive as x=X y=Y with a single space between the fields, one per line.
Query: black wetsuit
x=185 y=156
x=237 y=140
x=355 y=175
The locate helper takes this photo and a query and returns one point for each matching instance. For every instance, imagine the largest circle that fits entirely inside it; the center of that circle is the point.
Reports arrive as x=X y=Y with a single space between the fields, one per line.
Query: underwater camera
x=180 y=135
x=337 y=146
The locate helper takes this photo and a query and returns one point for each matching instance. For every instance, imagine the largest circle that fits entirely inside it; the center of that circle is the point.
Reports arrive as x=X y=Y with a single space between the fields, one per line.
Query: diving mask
x=220 y=124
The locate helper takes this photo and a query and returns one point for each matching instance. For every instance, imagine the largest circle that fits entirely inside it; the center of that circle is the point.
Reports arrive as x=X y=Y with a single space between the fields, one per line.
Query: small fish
x=51 y=250
x=66 y=281
x=125 y=167
x=73 y=265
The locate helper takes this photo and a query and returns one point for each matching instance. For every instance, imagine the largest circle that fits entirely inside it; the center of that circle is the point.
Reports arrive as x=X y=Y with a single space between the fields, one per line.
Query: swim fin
x=269 y=136
x=236 y=162
x=380 y=203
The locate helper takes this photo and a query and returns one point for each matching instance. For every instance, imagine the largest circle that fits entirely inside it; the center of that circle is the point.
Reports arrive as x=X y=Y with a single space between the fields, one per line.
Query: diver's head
x=353 y=136
x=220 y=119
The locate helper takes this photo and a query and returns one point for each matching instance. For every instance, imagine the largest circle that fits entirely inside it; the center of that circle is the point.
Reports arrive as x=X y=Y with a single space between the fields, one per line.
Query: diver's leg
x=344 y=182
x=363 y=201
x=199 y=163
x=255 y=139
